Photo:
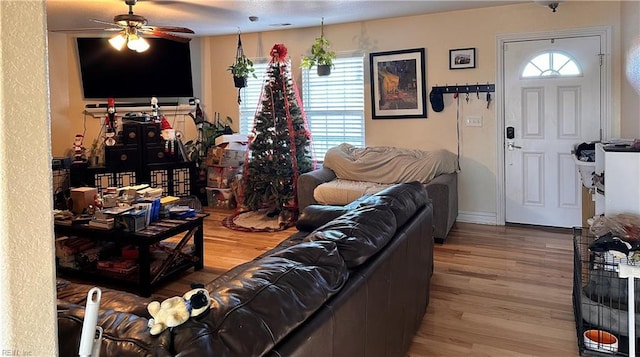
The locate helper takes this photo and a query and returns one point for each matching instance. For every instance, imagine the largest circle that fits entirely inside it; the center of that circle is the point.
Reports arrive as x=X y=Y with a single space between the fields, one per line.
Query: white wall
x=630 y=109
x=27 y=277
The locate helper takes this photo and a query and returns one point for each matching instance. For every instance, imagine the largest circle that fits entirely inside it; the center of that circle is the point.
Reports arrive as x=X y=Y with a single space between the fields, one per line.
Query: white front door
x=552 y=102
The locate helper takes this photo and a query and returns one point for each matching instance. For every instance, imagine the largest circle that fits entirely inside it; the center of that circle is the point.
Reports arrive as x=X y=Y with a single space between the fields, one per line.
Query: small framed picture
x=462 y=58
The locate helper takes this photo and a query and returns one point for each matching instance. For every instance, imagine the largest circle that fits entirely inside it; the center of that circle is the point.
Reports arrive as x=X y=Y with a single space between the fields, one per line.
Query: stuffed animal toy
x=177 y=310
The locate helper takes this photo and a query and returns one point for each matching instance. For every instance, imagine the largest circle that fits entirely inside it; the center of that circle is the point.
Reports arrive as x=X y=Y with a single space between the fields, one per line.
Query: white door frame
x=605 y=90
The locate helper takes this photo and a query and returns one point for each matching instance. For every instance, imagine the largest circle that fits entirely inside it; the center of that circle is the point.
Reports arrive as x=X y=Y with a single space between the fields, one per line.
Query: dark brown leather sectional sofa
x=354 y=281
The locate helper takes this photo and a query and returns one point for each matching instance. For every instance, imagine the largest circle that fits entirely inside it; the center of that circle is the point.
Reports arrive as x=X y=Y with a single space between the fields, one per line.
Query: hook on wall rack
x=465 y=88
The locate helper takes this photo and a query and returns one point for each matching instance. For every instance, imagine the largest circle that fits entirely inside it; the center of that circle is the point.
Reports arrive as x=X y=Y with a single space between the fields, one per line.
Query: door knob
x=511 y=146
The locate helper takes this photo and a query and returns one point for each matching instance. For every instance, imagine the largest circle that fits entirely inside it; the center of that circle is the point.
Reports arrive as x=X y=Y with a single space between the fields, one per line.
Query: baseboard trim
x=477 y=217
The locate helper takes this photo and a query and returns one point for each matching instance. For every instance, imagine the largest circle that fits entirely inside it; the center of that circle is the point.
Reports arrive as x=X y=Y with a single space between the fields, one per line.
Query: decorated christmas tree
x=280 y=143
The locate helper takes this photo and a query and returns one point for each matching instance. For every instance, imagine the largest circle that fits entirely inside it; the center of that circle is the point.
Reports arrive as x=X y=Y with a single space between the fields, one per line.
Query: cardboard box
x=220 y=176
x=220 y=197
x=225 y=157
x=232 y=138
x=82 y=197
x=132 y=220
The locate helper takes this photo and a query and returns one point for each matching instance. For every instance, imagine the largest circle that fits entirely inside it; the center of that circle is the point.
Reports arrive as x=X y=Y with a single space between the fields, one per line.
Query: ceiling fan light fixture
x=118 y=42
x=141 y=45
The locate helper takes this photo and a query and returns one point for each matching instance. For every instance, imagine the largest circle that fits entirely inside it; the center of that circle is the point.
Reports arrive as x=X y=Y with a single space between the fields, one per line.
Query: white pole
x=632 y=314
x=630 y=272
x=91 y=337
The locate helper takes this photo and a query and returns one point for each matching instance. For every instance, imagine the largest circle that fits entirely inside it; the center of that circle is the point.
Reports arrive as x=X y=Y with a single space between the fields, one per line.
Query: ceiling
x=213 y=17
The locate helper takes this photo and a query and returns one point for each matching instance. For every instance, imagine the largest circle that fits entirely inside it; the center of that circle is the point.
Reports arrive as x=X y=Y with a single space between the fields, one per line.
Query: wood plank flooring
x=496 y=291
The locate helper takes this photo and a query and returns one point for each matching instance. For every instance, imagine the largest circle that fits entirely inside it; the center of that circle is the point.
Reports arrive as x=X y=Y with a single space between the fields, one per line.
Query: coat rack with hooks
x=465 y=88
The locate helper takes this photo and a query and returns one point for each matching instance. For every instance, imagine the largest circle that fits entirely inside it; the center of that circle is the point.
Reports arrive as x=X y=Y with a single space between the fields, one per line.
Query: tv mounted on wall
x=163 y=71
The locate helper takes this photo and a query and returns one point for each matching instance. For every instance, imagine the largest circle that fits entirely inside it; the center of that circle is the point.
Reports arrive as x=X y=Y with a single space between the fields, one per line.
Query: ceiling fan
x=131 y=26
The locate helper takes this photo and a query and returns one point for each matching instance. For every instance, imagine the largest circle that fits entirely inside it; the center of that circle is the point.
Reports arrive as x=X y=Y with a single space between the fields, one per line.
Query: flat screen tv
x=163 y=71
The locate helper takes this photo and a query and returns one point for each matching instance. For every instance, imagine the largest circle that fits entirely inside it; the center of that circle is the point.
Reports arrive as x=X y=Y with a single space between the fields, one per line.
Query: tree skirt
x=257 y=221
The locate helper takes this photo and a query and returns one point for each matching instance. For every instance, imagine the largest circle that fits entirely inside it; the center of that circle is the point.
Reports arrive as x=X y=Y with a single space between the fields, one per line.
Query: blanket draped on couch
x=388 y=165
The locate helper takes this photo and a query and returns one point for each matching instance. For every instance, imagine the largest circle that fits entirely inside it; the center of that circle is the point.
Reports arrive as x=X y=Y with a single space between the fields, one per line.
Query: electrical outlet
x=474 y=120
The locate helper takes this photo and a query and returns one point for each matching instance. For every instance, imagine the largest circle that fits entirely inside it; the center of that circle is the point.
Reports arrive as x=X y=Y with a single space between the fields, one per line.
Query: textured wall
x=27 y=277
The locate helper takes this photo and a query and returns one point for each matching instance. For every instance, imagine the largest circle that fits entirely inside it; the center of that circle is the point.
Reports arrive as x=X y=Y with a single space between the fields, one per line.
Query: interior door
x=552 y=102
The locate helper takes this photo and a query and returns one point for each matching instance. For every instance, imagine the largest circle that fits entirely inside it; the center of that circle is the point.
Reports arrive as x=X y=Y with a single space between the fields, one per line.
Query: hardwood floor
x=496 y=291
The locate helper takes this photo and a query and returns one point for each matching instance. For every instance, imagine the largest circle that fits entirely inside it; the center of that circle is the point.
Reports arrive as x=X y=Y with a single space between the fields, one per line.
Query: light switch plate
x=473 y=120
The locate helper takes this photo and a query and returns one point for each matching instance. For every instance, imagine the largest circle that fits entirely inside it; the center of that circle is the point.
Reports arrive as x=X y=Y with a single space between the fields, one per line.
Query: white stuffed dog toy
x=178 y=309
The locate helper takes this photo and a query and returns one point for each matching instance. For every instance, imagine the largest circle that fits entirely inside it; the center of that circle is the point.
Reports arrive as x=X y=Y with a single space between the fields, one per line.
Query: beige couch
x=350 y=172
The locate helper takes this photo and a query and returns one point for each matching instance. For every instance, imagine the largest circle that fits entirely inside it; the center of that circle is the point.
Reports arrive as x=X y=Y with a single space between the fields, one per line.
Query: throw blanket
x=384 y=164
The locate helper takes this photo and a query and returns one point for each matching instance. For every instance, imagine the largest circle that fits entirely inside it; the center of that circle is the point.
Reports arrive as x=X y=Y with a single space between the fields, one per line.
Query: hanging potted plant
x=321 y=55
x=242 y=67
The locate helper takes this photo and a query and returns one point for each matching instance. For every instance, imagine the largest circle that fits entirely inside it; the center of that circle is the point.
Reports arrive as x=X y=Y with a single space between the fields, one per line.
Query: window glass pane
x=559 y=60
x=531 y=71
x=551 y=64
x=250 y=97
x=542 y=61
x=334 y=105
x=570 y=69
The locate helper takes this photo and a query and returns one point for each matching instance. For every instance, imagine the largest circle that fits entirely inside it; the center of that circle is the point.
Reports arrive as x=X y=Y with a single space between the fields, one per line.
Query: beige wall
x=27 y=276
x=437 y=33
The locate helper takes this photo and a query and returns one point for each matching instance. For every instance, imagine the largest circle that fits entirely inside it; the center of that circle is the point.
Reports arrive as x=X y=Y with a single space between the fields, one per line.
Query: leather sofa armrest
x=308 y=182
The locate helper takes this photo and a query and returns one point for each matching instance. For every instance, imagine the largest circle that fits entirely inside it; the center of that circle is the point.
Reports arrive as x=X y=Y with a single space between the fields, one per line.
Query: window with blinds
x=334 y=104
x=250 y=97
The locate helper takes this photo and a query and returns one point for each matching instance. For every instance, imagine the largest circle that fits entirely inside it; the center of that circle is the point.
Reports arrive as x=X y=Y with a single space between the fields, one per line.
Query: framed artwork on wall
x=462 y=58
x=398 y=84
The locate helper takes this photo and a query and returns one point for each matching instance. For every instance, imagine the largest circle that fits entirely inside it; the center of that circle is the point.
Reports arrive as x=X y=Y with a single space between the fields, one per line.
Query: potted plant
x=321 y=55
x=241 y=68
x=208 y=132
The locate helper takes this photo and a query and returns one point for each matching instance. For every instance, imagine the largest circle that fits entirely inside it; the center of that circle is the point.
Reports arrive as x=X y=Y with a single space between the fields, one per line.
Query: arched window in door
x=551 y=64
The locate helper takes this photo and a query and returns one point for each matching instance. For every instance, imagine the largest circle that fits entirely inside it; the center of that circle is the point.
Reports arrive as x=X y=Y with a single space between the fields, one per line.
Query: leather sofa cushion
x=264 y=301
x=359 y=234
x=110 y=299
x=342 y=192
x=403 y=199
x=124 y=334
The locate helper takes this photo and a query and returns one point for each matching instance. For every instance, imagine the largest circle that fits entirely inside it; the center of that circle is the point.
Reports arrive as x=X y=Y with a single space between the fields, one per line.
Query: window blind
x=334 y=104
x=250 y=97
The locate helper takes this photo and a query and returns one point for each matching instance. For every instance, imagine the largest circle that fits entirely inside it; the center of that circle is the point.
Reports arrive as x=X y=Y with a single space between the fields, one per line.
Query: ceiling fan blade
x=169 y=29
x=109 y=23
x=88 y=29
x=166 y=35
